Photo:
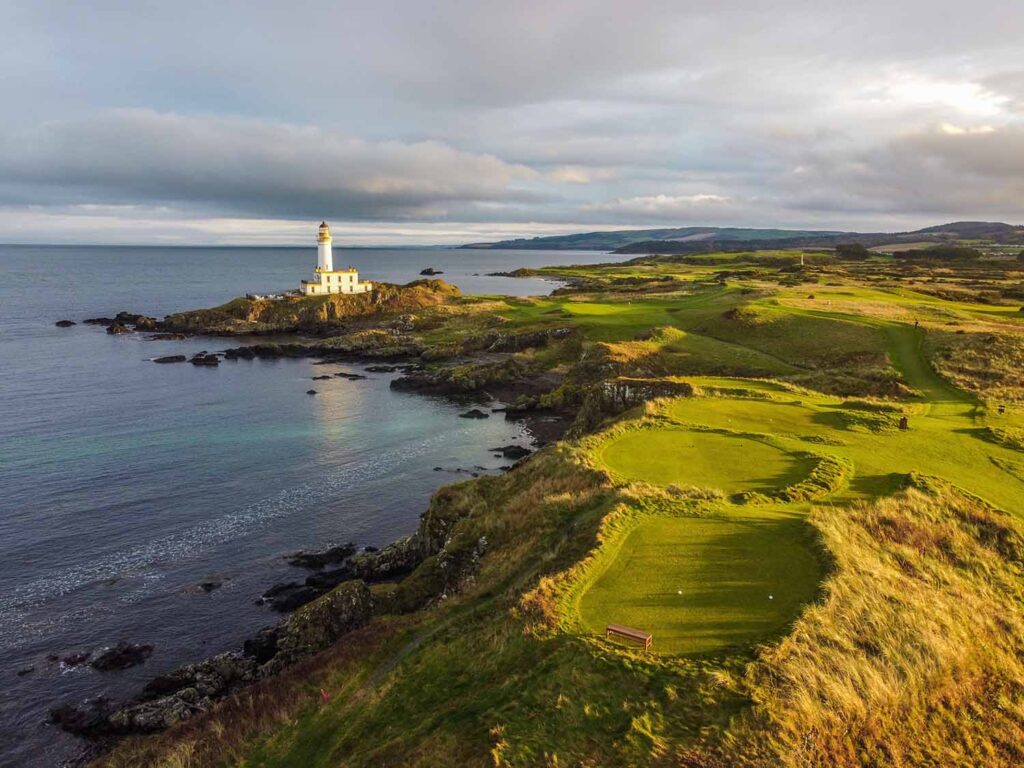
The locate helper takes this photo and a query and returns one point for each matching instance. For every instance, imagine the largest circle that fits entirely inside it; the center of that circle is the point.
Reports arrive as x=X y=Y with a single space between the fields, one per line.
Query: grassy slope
x=511 y=673
x=914 y=658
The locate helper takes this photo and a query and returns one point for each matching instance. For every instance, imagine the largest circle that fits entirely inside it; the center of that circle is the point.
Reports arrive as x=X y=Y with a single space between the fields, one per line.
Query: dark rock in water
x=168 y=337
x=76 y=658
x=121 y=656
x=204 y=359
x=431 y=271
x=65 y=323
x=239 y=353
x=310 y=391
x=350 y=376
x=129 y=318
x=100 y=321
x=317 y=560
x=118 y=328
x=381 y=368
x=326 y=580
x=289 y=596
x=321 y=378
x=144 y=323
x=272 y=351
x=512 y=451
x=293 y=599
x=474 y=413
x=279 y=589
x=90 y=718
x=209 y=586
x=439 y=469
x=371 y=549
x=170 y=359
x=26 y=671
x=262 y=646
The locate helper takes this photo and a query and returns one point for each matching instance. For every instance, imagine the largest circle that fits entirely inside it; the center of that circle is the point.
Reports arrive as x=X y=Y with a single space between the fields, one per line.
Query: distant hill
x=609 y=241
x=992 y=231
x=708 y=239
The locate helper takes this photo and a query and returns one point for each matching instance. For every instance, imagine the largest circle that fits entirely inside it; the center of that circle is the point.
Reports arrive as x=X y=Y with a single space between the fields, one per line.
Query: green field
x=684 y=457
x=698 y=584
x=706 y=585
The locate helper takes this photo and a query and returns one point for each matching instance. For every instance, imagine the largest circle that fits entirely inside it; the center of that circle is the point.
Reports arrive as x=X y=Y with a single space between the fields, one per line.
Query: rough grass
x=1011 y=437
x=916 y=657
x=989 y=363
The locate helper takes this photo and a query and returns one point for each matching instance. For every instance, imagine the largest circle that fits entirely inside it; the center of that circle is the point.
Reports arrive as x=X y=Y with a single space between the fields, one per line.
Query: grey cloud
x=140 y=156
x=529 y=113
x=940 y=171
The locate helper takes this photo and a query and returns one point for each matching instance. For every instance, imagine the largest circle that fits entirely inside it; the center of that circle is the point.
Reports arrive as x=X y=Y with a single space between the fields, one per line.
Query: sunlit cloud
x=968 y=98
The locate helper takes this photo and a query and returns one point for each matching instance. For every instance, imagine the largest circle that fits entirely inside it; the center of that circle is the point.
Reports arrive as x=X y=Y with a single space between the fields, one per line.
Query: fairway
x=730 y=463
x=706 y=585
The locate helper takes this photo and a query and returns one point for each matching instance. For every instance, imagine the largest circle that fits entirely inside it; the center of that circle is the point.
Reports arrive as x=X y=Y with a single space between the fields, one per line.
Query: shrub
x=852 y=252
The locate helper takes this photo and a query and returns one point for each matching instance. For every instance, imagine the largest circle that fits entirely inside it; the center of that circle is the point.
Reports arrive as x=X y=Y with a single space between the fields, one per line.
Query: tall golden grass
x=916 y=655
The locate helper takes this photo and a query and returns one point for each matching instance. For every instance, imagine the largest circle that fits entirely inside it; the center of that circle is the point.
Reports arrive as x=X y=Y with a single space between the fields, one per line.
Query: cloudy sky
x=402 y=121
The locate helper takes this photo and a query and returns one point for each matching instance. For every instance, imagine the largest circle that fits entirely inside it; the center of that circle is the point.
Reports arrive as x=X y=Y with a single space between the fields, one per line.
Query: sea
x=125 y=484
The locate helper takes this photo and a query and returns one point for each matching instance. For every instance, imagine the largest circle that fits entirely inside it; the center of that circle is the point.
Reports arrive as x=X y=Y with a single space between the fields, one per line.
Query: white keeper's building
x=327 y=279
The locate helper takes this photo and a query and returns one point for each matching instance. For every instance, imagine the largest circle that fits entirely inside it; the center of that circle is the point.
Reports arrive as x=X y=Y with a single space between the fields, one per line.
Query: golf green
x=680 y=456
x=706 y=585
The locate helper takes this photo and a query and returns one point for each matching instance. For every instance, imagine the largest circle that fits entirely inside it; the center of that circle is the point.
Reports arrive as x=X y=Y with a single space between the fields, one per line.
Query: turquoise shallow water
x=124 y=483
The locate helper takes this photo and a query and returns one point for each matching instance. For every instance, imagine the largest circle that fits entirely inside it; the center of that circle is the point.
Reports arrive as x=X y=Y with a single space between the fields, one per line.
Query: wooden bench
x=629 y=633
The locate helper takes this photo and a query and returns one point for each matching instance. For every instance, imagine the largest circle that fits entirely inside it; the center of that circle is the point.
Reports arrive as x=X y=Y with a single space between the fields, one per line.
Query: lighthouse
x=327 y=279
x=324 y=262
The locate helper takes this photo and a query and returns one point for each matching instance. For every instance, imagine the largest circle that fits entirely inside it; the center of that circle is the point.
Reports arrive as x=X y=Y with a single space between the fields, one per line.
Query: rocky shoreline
x=337 y=596
x=328 y=604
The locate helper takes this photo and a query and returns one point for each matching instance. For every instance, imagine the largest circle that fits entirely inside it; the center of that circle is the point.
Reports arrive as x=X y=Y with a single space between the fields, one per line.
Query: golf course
x=801 y=478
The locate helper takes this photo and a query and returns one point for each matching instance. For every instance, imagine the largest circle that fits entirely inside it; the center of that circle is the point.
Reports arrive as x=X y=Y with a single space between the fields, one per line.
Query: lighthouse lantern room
x=327 y=279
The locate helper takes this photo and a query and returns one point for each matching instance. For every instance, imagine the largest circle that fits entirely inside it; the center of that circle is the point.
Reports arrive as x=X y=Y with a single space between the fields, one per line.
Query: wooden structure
x=904 y=423
x=628 y=633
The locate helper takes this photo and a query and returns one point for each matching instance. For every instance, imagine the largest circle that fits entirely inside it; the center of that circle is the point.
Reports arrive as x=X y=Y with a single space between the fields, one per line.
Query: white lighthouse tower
x=324 y=262
x=326 y=278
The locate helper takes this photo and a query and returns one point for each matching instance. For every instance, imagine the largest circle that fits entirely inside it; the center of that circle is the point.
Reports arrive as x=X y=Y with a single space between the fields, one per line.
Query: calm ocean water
x=123 y=484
